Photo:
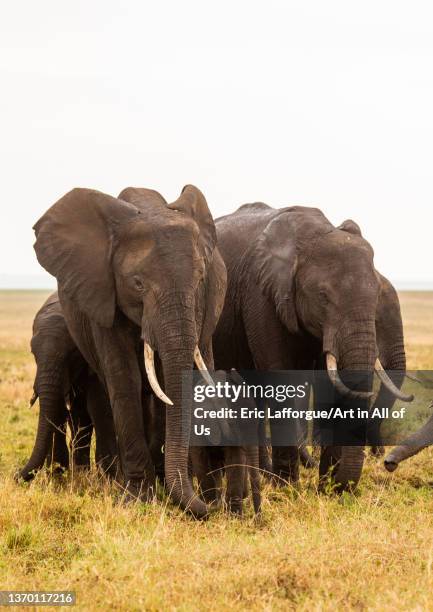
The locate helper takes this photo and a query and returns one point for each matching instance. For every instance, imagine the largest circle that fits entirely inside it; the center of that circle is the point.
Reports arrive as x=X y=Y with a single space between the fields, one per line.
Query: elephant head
x=155 y=264
x=59 y=366
x=323 y=281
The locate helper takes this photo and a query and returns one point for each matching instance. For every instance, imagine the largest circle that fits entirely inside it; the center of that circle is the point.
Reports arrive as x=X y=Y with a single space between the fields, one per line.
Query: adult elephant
x=302 y=292
x=136 y=268
x=63 y=377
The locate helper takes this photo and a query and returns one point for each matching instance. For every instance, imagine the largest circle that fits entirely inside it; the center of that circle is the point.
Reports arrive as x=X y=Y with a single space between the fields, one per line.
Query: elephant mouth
x=149 y=364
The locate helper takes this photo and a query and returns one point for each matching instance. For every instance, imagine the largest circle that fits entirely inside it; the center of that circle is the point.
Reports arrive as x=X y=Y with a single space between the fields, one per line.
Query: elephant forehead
x=174 y=226
x=339 y=243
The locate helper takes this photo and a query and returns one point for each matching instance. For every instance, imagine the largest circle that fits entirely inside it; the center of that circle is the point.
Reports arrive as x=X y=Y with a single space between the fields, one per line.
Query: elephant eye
x=138 y=284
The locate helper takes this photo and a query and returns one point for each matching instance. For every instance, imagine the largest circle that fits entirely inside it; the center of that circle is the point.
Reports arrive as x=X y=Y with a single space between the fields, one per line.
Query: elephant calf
x=62 y=378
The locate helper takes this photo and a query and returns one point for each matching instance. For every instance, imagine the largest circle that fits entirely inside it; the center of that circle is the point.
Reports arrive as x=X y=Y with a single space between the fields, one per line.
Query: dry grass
x=373 y=550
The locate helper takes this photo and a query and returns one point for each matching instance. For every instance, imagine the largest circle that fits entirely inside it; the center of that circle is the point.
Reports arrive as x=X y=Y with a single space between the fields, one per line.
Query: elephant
x=411 y=446
x=304 y=294
x=62 y=378
x=135 y=272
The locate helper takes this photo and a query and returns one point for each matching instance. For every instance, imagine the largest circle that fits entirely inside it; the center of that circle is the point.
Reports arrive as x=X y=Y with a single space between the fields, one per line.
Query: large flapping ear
x=350 y=226
x=142 y=197
x=193 y=203
x=286 y=240
x=215 y=291
x=389 y=325
x=275 y=260
x=74 y=241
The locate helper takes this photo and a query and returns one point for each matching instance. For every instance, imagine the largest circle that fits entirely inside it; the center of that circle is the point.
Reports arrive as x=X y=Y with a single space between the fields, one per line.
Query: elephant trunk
x=51 y=424
x=176 y=342
x=355 y=351
x=411 y=446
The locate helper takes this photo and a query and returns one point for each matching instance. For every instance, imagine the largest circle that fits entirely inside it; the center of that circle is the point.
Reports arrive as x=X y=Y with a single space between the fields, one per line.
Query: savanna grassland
x=372 y=550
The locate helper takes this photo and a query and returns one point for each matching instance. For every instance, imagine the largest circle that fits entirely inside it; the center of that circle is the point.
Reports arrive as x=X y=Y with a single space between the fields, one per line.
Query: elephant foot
x=377 y=451
x=235 y=506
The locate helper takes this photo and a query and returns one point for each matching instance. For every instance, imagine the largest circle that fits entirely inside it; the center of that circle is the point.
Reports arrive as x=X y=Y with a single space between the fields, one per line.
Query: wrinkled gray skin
x=411 y=446
x=63 y=377
x=299 y=287
x=137 y=268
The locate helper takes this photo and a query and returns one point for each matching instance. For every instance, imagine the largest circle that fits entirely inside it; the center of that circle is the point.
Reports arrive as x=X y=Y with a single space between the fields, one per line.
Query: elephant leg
x=377 y=451
x=154 y=422
x=236 y=473
x=58 y=453
x=252 y=459
x=118 y=356
x=208 y=462
x=80 y=425
x=285 y=462
x=265 y=461
x=98 y=405
x=329 y=458
x=207 y=466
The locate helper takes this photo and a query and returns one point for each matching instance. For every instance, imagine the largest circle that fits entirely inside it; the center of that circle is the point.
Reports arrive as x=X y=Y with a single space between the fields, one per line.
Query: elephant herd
x=149 y=289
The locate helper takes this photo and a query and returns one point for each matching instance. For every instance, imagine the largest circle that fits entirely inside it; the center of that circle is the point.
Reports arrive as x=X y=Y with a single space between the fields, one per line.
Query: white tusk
x=331 y=366
x=199 y=362
x=387 y=382
x=149 y=364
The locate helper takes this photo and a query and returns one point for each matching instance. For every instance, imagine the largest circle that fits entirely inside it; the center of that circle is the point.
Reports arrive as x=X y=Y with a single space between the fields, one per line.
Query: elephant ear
x=74 y=241
x=389 y=325
x=275 y=262
x=216 y=285
x=193 y=203
x=350 y=226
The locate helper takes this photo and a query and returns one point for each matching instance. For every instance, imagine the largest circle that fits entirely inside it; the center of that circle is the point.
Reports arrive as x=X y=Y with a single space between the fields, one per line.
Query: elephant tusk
x=199 y=362
x=387 y=382
x=331 y=366
x=149 y=364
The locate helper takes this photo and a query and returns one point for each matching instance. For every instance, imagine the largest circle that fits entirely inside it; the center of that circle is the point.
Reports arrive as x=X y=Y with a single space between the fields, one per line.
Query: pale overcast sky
x=317 y=103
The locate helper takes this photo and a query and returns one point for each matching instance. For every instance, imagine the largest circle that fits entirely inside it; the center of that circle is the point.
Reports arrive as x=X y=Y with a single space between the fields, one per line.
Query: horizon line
x=41 y=282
